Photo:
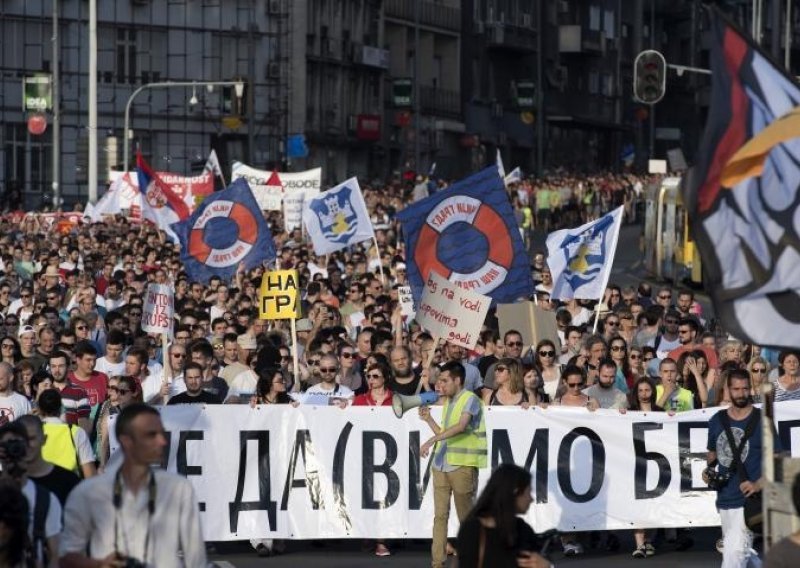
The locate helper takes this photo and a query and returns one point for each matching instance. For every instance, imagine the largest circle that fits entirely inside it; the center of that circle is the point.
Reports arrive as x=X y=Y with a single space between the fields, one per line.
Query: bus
x=670 y=253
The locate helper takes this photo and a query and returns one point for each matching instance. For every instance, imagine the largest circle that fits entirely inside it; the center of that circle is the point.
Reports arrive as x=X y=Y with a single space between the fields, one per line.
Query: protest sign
x=450 y=312
x=280 y=295
x=532 y=322
x=294 y=188
x=319 y=473
x=406 y=300
x=158 y=309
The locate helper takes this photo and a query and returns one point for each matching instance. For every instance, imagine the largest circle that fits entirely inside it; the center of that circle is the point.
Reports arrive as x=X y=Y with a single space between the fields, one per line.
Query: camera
x=15 y=449
x=717 y=479
x=130 y=562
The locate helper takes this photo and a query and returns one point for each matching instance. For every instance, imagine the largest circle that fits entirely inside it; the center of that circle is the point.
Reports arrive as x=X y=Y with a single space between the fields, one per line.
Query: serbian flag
x=469 y=235
x=226 y=230
x=744 y=208
x=160 y=205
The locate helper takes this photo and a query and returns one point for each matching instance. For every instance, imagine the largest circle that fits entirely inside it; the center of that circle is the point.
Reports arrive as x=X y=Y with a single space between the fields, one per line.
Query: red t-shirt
x=367 y=400
x=96 y=387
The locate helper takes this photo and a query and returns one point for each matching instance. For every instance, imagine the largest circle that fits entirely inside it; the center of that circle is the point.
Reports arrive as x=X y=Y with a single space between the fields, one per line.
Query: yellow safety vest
x=59 y=446
x=468 y=448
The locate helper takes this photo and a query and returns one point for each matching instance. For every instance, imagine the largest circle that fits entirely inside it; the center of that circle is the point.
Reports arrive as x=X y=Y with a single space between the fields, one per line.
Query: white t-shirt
x=12 y=407
x=339 y=391
x=110 y=369
x=243 y=384
x=52 y=525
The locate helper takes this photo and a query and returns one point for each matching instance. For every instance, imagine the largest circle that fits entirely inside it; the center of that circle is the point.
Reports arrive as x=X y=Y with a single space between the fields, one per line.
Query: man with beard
x=604 y=391
x=74 y=398
x=406 y=378
x=741 y=464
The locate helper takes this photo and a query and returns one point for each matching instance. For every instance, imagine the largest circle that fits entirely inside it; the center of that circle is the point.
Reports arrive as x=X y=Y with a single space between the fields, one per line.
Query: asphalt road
x=627 y=270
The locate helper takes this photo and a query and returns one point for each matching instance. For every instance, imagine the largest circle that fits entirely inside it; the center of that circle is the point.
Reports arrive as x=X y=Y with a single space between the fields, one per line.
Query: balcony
x=506 y=36
x=582 y=106
x=580 y=39
x=430 y=14
x=440 y=102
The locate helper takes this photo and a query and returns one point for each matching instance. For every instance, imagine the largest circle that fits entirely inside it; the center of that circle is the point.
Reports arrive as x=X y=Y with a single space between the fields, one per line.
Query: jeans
x=462 y=485
x=737 y=541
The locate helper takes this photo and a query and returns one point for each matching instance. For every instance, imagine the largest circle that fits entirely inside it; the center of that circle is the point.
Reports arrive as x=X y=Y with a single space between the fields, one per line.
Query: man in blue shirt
x=731 y=495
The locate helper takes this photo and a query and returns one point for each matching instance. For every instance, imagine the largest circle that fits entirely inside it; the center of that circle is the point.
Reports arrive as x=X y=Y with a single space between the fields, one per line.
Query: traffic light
x=649 y=77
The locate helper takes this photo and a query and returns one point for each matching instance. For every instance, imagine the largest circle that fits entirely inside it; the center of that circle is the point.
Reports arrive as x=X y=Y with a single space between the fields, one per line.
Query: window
x=17 y=142
x=594 y=82
x=126 y=56
x=608 y=24
x=595 y=14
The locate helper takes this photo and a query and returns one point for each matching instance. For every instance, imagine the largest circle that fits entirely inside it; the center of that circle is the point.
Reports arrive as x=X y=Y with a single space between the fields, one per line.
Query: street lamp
x=237 y=85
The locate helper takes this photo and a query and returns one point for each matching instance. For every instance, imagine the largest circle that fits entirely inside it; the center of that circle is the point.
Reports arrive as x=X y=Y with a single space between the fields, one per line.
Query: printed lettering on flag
x=227 y=230
x=468 y=234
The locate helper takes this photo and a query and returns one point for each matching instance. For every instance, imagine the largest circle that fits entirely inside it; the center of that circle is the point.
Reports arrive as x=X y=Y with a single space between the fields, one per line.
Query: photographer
x=134 y=516
x=734 y=448
x=44 y=509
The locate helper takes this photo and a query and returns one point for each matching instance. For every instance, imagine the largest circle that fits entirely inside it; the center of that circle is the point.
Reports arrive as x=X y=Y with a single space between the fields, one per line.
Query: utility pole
x=93 y=101
x=541 y=116
x=638 y=25
x=417 y=103
x=56 y=111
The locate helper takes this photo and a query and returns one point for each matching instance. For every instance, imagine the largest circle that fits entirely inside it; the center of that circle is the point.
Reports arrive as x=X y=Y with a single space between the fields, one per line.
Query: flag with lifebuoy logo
x=469 y=235
x=225 y=230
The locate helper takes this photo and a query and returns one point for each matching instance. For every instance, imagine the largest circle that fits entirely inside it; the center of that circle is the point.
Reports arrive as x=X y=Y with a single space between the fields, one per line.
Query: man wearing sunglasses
x=328 y=387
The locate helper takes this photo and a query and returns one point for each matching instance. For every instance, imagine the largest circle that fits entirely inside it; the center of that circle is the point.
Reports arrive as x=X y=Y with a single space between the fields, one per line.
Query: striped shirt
x=75 y=403
x=785 y=394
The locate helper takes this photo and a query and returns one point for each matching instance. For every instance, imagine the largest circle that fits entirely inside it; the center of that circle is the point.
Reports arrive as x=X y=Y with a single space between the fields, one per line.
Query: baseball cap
x=25 y=329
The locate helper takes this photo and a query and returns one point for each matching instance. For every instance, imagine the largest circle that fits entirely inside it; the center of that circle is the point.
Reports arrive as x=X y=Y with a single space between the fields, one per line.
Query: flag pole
x=295 y=359
x=380 y=265
x=167 y=368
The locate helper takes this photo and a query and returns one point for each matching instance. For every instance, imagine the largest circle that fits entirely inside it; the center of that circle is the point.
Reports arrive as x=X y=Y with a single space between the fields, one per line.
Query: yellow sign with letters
x=280 y=295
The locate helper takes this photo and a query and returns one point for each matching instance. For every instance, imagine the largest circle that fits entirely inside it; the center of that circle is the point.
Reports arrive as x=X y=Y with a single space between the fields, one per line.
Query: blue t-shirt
x=730 y=496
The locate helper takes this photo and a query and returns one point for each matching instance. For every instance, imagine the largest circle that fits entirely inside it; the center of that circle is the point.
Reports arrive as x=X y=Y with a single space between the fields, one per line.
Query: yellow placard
x=280 y=295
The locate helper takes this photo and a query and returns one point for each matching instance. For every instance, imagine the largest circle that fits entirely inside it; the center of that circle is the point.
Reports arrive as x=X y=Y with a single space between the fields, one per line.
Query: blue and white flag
x=338 y=218
x=580 y=259
x=514 y=177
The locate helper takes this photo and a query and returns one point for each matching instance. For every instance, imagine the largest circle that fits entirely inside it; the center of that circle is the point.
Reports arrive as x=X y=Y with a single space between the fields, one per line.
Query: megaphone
x=402 y=403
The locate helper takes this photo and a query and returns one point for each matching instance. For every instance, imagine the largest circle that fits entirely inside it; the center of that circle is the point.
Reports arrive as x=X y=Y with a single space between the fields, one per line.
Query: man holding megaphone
x=459 y=451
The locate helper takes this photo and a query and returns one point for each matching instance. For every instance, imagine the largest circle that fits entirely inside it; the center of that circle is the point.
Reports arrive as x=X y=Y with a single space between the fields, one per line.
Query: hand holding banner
x=159 y=307
x=452 y=313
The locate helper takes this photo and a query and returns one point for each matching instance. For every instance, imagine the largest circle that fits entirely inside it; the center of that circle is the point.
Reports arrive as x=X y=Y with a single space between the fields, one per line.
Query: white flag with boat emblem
x=337 y=218
x=580 y=259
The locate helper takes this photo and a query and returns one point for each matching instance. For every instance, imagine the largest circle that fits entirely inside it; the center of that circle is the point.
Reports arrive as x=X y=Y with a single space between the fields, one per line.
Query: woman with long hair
x=509 y=387
x=643 y=396
x=10 y=351
x=636 y=362
x=759 y=370
x=546 y=362
x=270 y=388
x=690 y=376
x=618 y=350
x=532 y=384
x=23 y=373
x=493 y=534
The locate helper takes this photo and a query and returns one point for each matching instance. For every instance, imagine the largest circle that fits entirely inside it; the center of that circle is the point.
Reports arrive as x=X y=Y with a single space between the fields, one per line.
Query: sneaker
x=381 y=550
x=720 y=545
x=573 y=549
x=640 y=552
x=649 y=549
x=263 y=551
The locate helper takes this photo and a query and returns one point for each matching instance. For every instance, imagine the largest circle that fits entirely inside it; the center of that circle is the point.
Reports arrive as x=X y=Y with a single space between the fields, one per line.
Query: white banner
x=158 y=309
x=296 y=187
x=324 y=472
x=450 y=312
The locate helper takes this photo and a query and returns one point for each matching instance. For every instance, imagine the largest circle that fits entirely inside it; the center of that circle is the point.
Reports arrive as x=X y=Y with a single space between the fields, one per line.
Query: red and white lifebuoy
x=465 y=209
x=246 y=239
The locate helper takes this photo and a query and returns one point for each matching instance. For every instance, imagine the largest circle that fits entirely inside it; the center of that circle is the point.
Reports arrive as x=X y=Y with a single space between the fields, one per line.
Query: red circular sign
x=37 y=124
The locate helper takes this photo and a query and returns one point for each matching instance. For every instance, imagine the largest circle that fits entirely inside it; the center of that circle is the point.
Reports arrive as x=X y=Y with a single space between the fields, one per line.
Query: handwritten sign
x=406 y=301
x=280 y=295
x=452 y=313
x=159 y=307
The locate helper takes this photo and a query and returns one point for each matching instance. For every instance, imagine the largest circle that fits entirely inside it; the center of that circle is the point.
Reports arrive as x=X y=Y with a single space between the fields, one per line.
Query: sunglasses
x=124 y=391
x=328 y=369
x=374 y=376
x=665 y=297
x=754 y=369
x=574 y=385
x=7 y=345
x=612 y=323
x=179 y=355
x=617 y=348
x=547 y=353
x=670 y=321
x=314 y=362
x=81 y=327
x=348 y=355
x=635 y=356
x=286 y=358
x=514 y=344
x=136 y=314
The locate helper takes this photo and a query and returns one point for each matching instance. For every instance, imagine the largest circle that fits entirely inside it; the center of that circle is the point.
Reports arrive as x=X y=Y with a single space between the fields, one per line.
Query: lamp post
x=237 y=85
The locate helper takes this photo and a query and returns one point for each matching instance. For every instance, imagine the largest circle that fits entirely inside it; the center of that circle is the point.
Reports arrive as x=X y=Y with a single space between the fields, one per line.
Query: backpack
x=41 y=508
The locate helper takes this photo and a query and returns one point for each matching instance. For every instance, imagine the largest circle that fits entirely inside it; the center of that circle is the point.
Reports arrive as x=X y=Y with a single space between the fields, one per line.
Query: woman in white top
x=546 y=364
x=787 y=385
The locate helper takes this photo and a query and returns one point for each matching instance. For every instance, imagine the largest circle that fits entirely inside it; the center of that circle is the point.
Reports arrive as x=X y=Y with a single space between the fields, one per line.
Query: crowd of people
x=73 y=353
